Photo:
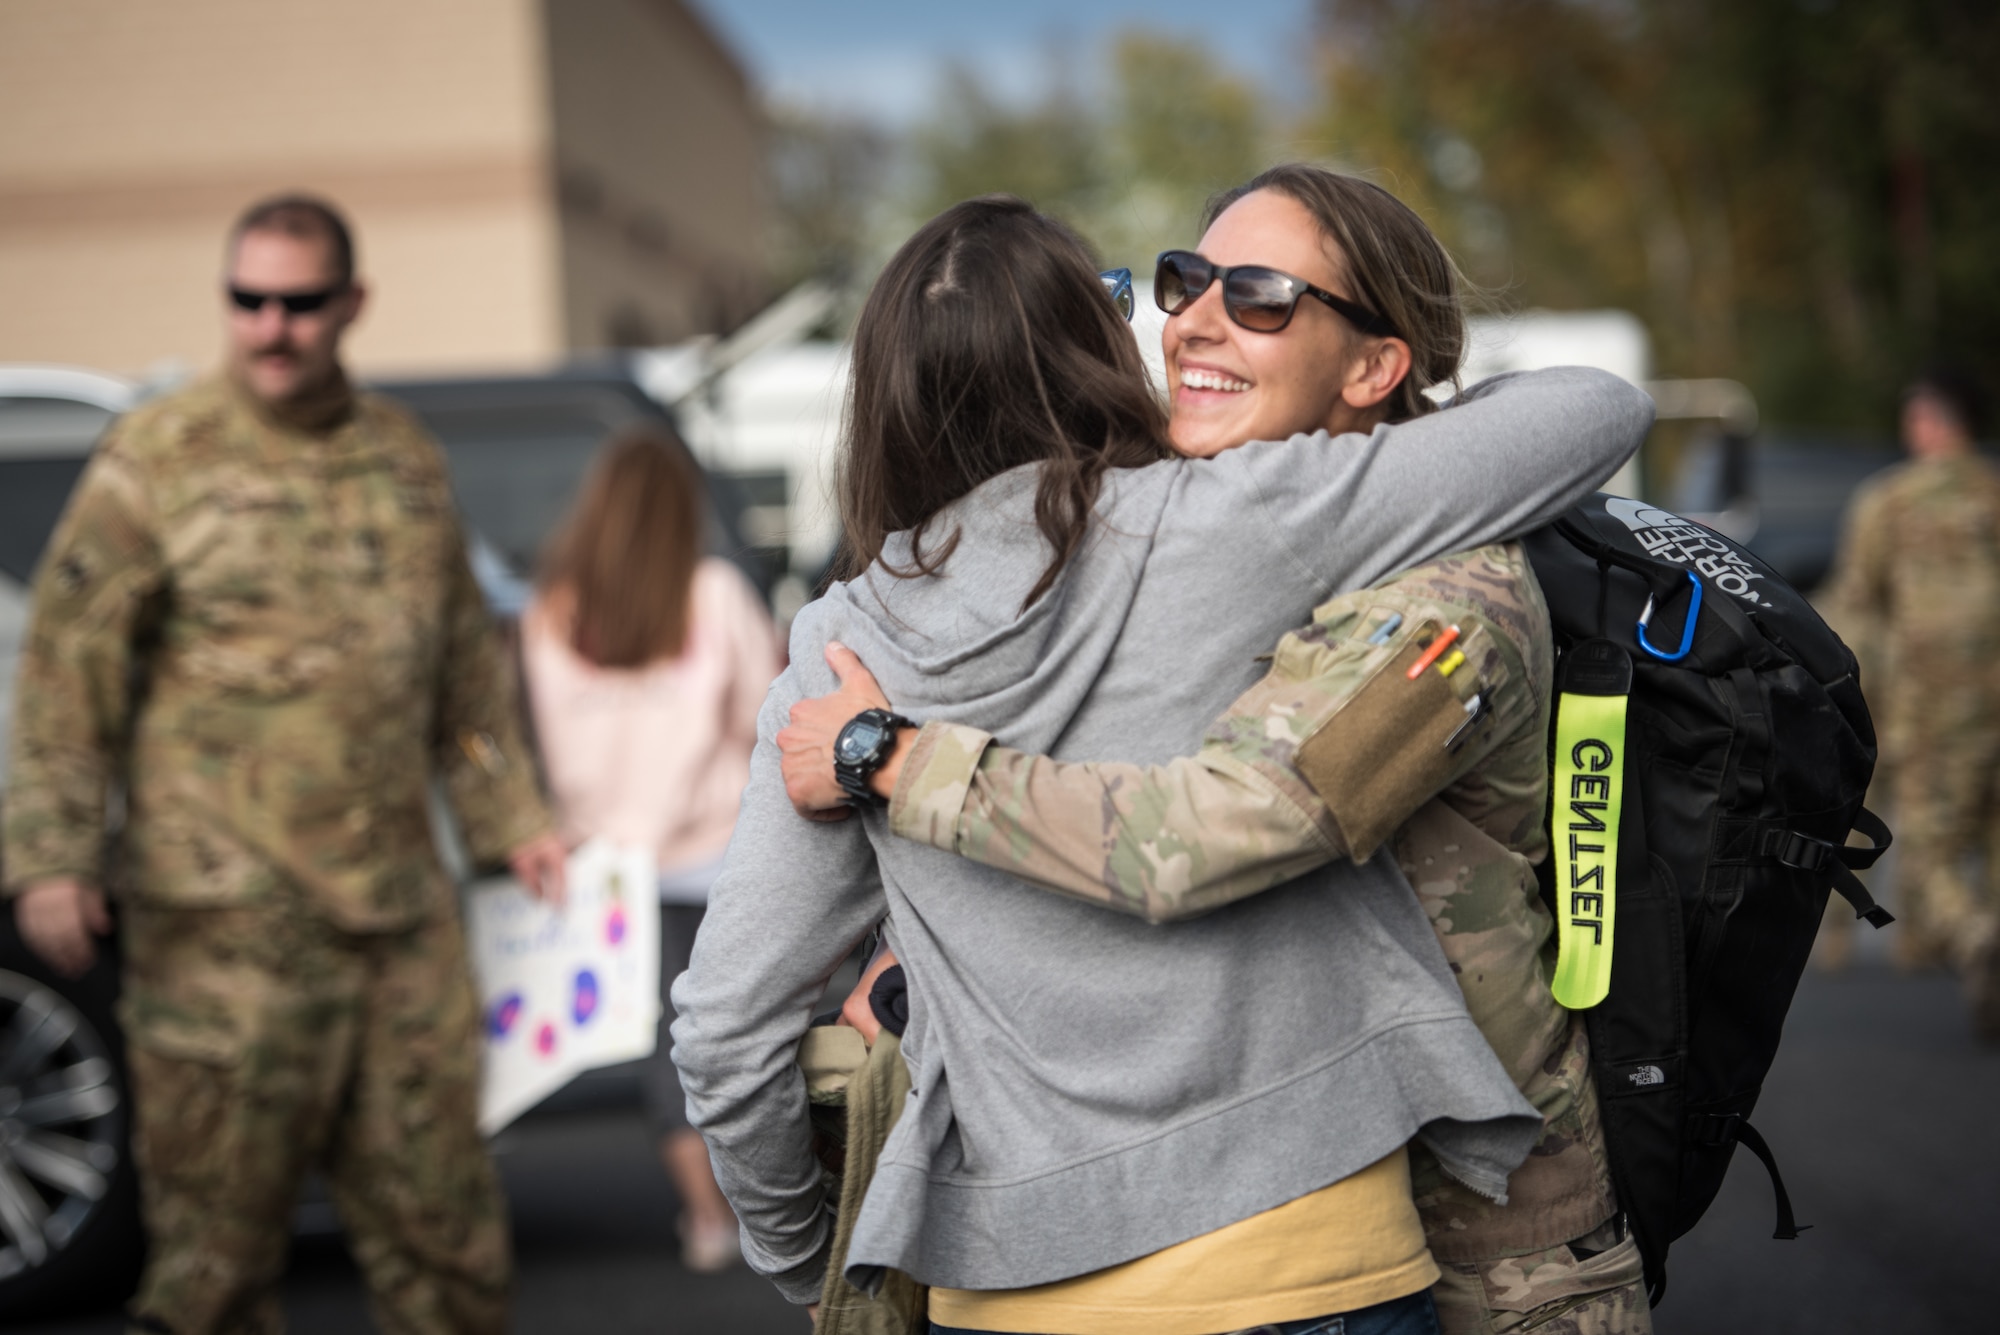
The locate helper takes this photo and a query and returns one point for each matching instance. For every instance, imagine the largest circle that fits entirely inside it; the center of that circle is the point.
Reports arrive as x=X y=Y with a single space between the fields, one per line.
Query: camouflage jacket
x=272 y=636
x=1916 y=591
x=1337 y=752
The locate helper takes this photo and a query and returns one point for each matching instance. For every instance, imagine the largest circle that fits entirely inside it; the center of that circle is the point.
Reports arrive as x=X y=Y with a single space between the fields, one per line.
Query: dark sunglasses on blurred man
x=295 y=303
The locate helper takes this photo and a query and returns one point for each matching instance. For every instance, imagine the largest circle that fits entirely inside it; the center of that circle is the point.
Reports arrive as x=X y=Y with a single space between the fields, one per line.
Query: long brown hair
x=987 y=343
x=623 y=562
x=1396 y=264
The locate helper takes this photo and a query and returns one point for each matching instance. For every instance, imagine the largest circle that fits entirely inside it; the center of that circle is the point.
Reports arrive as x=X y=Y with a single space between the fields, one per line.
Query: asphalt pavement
x=1881 y=1110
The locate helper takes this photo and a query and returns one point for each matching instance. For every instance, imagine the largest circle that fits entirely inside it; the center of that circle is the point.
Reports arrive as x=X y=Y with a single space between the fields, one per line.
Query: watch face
x=858 y=741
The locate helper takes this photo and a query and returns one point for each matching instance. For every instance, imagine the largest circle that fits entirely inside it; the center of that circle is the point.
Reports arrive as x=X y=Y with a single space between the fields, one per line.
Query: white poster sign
x=564 y=991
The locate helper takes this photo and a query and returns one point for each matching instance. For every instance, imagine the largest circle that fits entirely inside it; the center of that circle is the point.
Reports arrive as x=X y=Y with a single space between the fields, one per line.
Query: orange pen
x=1432 y=654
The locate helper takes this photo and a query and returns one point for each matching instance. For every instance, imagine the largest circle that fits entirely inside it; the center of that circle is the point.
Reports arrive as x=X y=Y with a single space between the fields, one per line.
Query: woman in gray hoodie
x=1088 y=1090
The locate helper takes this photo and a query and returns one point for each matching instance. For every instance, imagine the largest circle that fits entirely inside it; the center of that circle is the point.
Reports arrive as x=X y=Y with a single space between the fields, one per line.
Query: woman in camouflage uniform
x=1326 y=759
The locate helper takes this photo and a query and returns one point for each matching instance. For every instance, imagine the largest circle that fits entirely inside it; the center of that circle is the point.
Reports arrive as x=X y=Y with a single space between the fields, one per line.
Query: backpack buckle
x=1713 y=1130
x=1801 y=850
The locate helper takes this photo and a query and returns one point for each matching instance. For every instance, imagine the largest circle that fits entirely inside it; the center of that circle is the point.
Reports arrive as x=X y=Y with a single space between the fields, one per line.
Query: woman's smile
x=1202 y=378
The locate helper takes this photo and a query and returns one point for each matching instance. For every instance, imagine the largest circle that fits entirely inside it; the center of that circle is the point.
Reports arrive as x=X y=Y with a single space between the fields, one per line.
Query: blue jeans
x=1414 y=1315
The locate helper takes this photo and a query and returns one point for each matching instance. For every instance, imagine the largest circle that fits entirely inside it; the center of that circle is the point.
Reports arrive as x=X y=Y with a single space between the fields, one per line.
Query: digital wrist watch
x=861 y=748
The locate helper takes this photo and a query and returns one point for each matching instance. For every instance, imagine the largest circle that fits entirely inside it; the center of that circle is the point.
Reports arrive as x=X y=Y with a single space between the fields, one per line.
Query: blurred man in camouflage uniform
x=1335 y=754
x=1917 y=590
x=257 y=620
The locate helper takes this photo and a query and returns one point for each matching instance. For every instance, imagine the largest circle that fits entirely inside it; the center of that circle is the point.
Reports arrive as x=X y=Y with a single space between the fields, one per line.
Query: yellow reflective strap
x=1589 y=790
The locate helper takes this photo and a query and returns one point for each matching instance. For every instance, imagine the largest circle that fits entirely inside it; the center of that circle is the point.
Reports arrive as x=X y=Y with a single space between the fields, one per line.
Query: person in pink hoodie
x=646 y=663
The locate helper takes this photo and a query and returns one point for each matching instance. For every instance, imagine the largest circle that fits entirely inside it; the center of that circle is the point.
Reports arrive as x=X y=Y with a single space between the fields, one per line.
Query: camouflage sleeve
x=1322 y=759
x=1160 y=842
x=73 y=695
x=487 y=767
x=1857 y=603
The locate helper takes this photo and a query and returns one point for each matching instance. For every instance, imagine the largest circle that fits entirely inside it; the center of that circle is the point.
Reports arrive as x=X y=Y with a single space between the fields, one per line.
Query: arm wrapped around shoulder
x=1337 y=746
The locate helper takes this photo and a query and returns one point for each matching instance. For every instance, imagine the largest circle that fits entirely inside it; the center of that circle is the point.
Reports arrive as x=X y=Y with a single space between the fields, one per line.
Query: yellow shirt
x=1343 y=1247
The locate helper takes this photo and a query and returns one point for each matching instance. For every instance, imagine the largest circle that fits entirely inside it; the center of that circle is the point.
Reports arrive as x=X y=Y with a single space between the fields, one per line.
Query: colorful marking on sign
x=500 y=1017
x=584 y=996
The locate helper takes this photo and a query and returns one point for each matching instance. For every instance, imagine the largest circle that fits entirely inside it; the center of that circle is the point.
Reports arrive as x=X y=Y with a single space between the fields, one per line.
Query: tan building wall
x=659 y=174
x=132 y=132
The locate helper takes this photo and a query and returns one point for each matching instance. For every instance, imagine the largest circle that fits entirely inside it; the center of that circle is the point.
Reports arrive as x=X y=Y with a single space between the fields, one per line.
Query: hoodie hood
x=961 y=645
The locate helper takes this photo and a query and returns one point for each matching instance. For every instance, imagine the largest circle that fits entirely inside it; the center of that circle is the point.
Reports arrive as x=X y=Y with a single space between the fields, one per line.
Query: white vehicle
x=762 y=408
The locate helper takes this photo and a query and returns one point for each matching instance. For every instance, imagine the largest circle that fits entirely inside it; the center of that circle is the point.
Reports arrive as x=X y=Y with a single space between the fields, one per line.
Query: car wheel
x=69 y=1220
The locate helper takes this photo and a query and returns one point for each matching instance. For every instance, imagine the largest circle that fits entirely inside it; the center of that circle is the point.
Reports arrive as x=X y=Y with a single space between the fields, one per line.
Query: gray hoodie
x=1088 y=1088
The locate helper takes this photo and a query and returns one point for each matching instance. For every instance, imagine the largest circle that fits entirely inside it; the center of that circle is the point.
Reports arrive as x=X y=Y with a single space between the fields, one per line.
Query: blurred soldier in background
x=1917 y=592
x=257 y=620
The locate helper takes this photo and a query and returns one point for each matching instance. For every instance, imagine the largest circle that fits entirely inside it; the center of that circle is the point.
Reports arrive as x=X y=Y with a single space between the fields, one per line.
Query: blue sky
x=880 y=58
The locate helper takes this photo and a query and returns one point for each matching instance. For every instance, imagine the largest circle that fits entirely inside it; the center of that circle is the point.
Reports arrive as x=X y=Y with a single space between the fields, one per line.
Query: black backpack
x=1747 y=753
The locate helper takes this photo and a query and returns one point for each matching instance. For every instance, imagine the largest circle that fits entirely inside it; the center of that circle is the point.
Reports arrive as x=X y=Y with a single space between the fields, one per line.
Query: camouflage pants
x=1553 y=1292
x=263 y=1043
x=1944 y=824
x=1939 y=792
x=862 y=1112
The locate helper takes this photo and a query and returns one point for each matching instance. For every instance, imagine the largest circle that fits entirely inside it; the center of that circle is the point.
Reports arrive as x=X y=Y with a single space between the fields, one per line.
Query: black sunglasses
x=295 y=303
x=1256 y=297
x=1118 y=284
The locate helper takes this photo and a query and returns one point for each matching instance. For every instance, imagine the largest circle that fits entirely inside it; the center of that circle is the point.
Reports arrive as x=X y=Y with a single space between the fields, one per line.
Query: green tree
x=1129 y=169
x=1180 y=130
x=827 y=174
x=1796 y=193
x=975 y=144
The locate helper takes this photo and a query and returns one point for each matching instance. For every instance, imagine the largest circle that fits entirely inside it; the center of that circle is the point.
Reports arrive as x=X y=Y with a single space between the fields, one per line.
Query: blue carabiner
x=1687 y=630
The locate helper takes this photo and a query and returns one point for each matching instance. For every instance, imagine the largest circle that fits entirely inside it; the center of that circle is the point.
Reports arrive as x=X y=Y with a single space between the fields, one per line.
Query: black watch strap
x=852 y=772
